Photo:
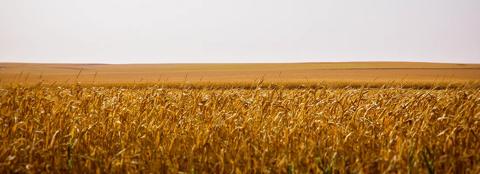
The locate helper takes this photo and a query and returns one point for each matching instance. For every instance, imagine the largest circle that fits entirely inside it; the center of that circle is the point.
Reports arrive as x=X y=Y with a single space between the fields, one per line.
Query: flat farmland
x=285 y=72
x=251 y=118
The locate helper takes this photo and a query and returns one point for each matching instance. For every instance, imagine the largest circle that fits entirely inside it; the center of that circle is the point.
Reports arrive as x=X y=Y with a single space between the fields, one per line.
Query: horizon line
x=232 y=62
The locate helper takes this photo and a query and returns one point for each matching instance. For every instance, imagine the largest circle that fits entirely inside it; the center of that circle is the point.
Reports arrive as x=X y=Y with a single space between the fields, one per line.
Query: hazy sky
x=166 y=31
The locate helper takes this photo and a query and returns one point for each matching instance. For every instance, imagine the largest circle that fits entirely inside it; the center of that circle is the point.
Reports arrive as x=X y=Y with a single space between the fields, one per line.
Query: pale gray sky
x=166 y=31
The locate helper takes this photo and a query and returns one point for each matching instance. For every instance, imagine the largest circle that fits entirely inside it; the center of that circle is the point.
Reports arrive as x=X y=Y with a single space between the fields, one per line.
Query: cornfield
x=150 y=129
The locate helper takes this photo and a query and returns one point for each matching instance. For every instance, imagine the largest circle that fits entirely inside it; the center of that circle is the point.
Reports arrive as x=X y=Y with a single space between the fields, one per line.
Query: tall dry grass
x=278 y=130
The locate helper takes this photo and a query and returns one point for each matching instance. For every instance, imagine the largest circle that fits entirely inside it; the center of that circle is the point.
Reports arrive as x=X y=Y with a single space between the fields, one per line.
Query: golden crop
x=322 y=130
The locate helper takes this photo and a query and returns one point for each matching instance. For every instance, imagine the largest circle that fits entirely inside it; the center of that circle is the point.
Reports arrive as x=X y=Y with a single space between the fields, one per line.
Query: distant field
x=286 y=72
